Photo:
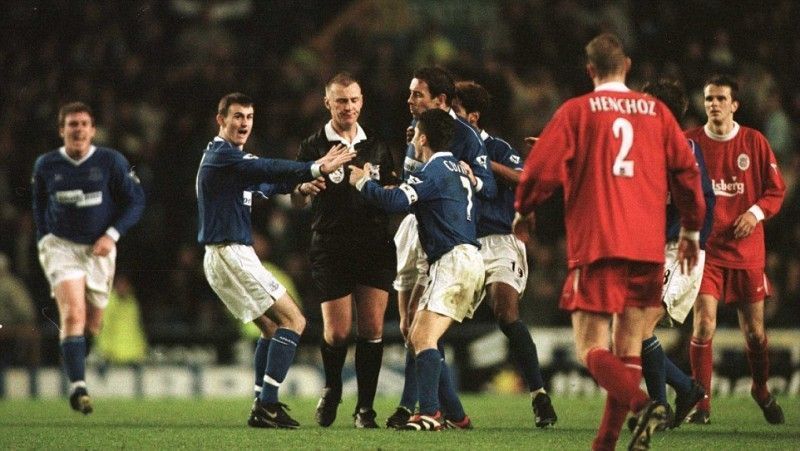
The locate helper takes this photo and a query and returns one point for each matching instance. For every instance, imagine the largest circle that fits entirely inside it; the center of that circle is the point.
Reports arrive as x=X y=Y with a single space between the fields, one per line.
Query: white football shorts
x=505 y=260
x=456 y=283
x=237 y=276
x=62 y=259
x=412 y=262
x=680 y=290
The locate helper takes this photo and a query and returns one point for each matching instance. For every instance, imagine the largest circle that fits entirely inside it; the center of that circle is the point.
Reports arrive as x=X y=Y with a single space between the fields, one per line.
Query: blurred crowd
x=154 y=70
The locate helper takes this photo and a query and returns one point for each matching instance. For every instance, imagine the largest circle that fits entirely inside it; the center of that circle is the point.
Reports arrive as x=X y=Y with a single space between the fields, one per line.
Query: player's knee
x=74 y=321
x=295 y=322
x=755 y=338
x=505 y=317
x=336 y=336
x=704 y=328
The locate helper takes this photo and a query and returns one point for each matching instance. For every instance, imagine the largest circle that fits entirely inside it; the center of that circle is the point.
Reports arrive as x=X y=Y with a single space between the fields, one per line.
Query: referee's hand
x=313 y=187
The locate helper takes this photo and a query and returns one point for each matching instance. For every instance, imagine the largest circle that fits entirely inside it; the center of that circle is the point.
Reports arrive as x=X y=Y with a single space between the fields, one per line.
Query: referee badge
x=337 y=176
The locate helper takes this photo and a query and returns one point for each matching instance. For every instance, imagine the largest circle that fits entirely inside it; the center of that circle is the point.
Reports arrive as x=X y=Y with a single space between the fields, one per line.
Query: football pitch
x=501 y=422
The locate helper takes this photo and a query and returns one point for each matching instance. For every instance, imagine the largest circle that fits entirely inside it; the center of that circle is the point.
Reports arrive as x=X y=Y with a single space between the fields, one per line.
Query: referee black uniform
x=350 y=243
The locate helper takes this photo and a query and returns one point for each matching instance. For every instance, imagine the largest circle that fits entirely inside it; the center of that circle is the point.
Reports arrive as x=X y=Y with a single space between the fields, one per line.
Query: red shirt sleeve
x=545 y=167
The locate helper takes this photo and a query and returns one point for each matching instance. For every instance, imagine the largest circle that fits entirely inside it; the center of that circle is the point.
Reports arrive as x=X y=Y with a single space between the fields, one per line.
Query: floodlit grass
x=501 y=422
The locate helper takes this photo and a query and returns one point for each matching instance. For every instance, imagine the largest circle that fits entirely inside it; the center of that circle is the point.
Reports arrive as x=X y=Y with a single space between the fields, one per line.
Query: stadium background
x=153 y=71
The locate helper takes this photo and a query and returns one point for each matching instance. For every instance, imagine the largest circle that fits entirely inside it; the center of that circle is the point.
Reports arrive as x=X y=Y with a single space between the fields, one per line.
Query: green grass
x=502 y=422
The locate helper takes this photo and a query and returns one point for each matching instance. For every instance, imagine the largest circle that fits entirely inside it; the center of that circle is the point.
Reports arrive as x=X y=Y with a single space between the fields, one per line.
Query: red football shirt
x=745 y=176
x=613 y=151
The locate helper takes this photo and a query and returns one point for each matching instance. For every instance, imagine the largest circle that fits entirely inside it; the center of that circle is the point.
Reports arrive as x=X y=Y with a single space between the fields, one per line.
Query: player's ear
x=327 y=103
x=220 y=120
x=734 y=106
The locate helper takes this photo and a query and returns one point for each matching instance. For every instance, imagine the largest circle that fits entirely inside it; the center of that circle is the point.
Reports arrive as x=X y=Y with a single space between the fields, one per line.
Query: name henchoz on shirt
x=727 y=189
x=79 y=198
x=622 y=105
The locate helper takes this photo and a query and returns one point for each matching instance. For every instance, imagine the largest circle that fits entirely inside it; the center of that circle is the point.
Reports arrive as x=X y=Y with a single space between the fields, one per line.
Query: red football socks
x=702 y=365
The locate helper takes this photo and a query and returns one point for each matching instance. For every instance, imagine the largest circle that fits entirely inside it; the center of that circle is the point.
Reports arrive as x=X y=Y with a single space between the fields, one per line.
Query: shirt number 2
x=623 y=130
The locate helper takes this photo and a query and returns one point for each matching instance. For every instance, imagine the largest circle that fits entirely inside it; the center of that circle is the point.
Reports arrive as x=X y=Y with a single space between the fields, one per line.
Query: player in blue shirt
x=431 y=88
x=226 y=179
x=504 y=255
x=680 y=290
x=84 y=199
x=440 y=194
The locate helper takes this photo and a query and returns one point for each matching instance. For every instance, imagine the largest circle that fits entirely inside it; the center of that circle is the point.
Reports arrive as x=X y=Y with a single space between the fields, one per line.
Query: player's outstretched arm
x=335 y=158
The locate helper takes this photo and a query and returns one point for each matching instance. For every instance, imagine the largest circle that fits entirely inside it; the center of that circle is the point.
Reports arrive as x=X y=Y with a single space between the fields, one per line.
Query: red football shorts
x=735 y=285
x=608 y=286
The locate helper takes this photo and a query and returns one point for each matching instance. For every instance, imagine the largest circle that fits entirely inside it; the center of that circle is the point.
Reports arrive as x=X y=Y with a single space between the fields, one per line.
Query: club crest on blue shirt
x=375 y=172
x=337 y=176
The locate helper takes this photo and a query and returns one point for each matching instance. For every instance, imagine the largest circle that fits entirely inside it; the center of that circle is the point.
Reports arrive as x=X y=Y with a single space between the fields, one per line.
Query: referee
x=352 y=252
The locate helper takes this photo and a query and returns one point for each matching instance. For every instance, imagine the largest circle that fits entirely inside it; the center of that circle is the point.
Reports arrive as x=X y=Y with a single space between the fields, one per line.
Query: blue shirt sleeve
x=708 y=193
x=252 y=170
x=128 y=195
x=268 y=190
x=394 y=200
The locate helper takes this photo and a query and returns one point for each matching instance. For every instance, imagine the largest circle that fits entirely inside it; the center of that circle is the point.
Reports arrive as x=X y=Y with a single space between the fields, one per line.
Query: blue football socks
x=523 y=352
x=281 y=352
x=260 y=363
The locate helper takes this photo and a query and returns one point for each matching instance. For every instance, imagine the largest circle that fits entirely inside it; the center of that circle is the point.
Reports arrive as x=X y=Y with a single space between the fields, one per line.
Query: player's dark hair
x=439 y=81
x=606 y=54
x=671 y=93
x=230 y=99
x=342 y=78
x=438 y=126
x=473 y=97
x=724 y=80
x=71 y=108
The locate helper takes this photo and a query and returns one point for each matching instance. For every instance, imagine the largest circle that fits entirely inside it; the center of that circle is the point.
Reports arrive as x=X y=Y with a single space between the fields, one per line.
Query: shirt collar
x=727 y=137
x=63 y=151
x=612 y=86
x=331 y=134
x=452 y=113
x=484 y=135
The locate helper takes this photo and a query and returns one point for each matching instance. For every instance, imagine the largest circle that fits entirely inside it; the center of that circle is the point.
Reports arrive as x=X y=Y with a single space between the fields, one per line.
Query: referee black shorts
x=340 y=262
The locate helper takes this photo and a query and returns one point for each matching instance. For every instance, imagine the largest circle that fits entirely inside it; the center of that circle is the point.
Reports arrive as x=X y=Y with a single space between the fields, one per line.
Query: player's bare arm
x=505 y=173
x=523 y=225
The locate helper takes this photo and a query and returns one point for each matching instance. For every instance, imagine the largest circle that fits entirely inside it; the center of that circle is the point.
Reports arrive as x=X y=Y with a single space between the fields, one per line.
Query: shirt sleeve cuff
x=113 y=233
x=478 y=184
x=757 y=212
x=315 y=170
x=362 y=181
x=693 y=235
